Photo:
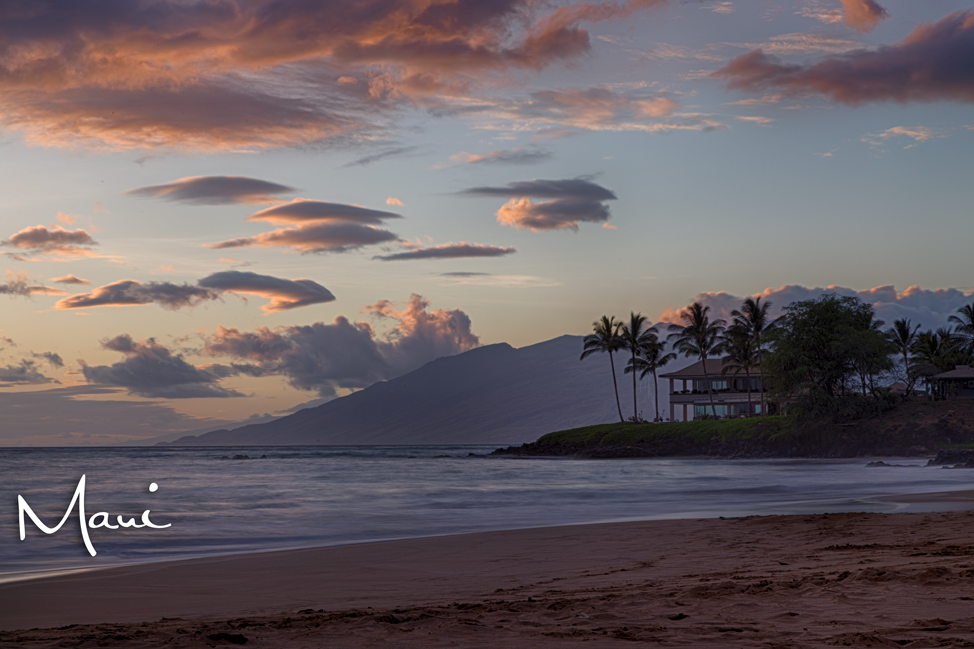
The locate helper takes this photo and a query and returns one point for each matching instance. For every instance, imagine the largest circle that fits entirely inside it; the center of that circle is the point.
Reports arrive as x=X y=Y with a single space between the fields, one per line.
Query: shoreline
x=955 y=500
x=960 y=499
x=563 y=566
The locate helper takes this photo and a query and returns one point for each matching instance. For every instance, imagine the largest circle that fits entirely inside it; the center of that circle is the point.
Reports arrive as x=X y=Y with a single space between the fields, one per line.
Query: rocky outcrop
x=915 y=429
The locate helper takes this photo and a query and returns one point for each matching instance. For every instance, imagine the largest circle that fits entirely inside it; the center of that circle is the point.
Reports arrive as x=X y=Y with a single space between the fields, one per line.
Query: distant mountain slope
x=492 y=394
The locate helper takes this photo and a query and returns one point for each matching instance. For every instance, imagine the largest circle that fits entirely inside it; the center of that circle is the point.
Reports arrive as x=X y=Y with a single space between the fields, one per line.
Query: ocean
x=295 y=497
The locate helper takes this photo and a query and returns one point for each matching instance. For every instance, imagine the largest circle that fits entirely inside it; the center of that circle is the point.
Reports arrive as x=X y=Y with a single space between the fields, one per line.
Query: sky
x=218 y=211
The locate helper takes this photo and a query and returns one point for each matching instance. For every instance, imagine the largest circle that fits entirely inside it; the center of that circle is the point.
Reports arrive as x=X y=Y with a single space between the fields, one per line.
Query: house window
x=715 y=384
x=705 y=411
x=741 y=385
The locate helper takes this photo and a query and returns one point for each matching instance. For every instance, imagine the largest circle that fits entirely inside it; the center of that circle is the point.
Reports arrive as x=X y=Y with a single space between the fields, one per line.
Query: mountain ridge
x=491 y=394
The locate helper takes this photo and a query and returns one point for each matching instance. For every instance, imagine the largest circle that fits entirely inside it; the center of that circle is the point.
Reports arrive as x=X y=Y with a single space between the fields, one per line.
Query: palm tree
x=928 y=351
x=650 y=359
x=753 y=317
x=741 y=356
x=965 y=326
x=699 y=337
x=904 y=336
x=947 y=340
x=935 y=350
x=634 y=337
x=605 y=338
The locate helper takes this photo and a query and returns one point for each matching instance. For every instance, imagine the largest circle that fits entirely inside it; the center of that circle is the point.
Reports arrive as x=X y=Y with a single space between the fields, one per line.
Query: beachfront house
x=689 y=396
x=957 y=383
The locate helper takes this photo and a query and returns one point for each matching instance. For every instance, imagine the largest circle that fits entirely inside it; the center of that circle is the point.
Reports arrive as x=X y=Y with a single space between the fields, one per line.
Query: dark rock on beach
x=954 y=459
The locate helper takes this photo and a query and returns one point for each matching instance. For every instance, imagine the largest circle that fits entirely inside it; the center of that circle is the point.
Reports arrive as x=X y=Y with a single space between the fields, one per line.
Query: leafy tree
x=651 y=357
x=634 y=336
x=818 y=347
x=870 y=352
x=754 y=318
x=965 y=326
x=699 y=337
x=605 y=337
x=904 y=335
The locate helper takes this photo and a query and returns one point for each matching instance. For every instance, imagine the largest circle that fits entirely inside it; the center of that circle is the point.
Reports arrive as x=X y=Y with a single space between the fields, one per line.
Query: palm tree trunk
x=655 y=395
x=706 y=377
x=747 y=373
x=764 y=409
x=615 y=384
x=909 y=379
x=635 y=411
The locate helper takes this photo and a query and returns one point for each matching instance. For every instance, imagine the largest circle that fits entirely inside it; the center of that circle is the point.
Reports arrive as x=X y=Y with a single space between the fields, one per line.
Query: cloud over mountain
x=931 y=64
x=929 y=307
x=215 y=190
x=327 y=357
x=574 y=200
x=152 y=370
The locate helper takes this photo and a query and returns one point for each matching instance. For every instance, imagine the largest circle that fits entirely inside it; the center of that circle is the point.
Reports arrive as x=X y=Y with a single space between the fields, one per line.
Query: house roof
x=959 y=372
x=714 y=367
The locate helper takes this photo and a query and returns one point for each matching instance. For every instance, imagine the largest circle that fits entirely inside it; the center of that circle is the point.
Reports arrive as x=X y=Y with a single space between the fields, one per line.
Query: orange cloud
x=56 y=241
x=69 y=279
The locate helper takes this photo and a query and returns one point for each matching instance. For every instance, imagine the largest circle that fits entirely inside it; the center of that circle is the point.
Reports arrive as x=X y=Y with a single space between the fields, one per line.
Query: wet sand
x=897 y=580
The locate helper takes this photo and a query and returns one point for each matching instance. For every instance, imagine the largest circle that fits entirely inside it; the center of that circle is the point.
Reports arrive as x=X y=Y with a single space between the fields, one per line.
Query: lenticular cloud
x=572 y=201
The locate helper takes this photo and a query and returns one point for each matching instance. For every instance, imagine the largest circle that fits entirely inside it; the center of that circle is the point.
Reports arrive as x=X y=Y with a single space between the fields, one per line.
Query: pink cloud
x=929 y=307
x=238 y=75
x=863 y=15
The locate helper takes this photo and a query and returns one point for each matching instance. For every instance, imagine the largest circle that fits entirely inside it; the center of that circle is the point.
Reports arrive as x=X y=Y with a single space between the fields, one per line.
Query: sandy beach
x=897 y=580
